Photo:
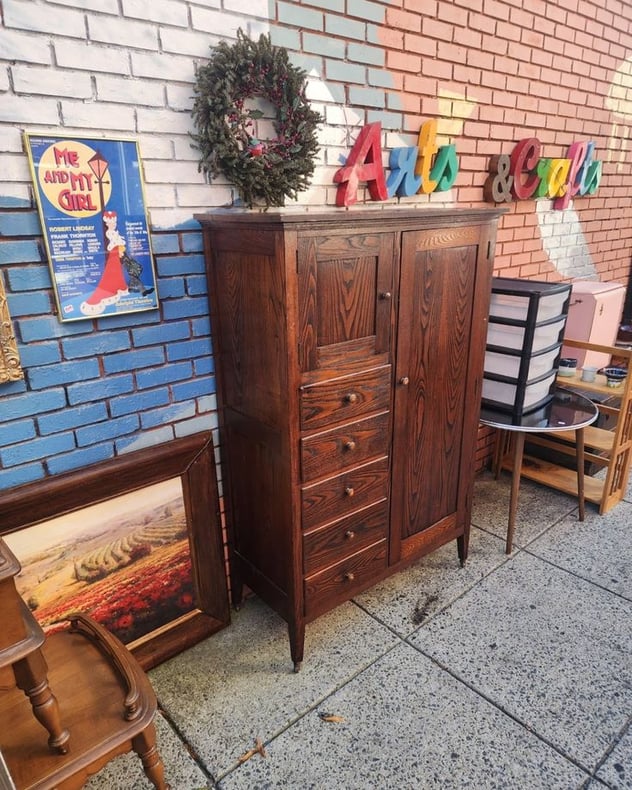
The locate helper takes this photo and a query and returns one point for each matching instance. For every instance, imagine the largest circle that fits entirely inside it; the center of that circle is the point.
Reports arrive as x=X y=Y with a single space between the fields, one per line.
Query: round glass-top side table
x=567 y=411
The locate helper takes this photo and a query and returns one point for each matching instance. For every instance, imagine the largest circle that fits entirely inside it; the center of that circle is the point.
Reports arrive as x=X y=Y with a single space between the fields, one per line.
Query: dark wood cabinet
x=349 y=353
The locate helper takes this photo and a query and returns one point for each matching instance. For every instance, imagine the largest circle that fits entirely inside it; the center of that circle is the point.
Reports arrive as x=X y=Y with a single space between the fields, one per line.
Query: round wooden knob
x=350 y=445
x=349 y=577
x=349 y=491
x=349 y=534
x=385 y=295
x=404 y=381
x=351 y=397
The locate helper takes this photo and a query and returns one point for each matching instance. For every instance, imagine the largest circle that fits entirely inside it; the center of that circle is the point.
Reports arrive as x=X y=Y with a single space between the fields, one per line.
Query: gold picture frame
x=10 y=367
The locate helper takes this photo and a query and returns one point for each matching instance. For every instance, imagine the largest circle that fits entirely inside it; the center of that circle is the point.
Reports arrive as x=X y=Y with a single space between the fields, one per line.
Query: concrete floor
x=513 y=672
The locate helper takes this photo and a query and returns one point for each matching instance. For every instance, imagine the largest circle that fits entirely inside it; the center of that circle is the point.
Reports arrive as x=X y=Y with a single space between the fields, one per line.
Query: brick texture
x=492 y=73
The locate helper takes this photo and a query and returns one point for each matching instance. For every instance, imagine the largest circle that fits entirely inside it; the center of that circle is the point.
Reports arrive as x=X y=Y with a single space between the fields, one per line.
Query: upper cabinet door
x=346 y=298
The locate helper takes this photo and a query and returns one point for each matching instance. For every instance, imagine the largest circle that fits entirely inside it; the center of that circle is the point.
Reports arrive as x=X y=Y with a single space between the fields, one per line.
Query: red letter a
x=364 y=163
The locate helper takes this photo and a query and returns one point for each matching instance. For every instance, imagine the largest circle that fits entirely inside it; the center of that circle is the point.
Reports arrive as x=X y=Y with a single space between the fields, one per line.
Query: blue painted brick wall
x=96 y=388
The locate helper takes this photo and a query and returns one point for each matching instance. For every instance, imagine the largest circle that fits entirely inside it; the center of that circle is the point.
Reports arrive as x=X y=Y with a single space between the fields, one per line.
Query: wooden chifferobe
x=349 y=354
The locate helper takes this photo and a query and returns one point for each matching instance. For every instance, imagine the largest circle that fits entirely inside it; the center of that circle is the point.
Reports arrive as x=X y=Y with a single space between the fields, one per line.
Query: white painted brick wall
x=167 y=12
x=215 y=22
x=28 y=110
x=97 y=116
x=126 y=68
x=24 y=47
x=48 y=82
x=43 y=18
x=129 y=91
x=77 y=54
x=104 y=6
x=123 y=32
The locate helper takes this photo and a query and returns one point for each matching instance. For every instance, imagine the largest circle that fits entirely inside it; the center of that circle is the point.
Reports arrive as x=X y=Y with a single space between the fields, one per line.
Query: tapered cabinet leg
x=236 y=588
x=462 y=547
x=297 y=643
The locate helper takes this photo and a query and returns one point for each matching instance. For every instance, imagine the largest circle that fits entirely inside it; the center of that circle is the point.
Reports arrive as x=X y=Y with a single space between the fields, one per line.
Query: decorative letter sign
x=426 y=143
x=426 y=168
x=526 y=175
x=524 y=159
x=363 y=164
x=412 y=168
x=402 y=181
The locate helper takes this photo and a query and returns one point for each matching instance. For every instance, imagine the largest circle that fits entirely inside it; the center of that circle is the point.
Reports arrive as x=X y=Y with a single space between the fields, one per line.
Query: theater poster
x=91 y=205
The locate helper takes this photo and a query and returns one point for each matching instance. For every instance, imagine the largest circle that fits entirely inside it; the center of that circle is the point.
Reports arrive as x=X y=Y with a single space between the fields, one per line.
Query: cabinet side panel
x=249 y=322
x=249 y=330
x=259 y=512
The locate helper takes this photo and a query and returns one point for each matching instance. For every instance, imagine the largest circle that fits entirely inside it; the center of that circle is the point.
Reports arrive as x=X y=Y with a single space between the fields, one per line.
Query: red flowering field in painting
x=125 y=562
x=137 y=599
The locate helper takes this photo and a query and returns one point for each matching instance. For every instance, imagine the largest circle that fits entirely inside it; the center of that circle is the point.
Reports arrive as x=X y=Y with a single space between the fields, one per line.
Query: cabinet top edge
x=305 y=219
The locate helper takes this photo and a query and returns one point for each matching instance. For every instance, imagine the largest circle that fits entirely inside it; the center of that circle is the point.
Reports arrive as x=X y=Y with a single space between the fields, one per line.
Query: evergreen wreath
x=262 y=170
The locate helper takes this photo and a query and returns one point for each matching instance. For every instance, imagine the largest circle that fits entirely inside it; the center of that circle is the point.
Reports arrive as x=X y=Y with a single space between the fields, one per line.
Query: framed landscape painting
x=135 y=543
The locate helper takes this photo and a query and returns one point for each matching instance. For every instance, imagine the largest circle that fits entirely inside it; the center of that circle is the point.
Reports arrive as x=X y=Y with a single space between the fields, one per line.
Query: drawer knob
x=350 y=445
x=349 y=534
x=404 y=381
x=351 y=397
x=386 y=295
x=349 y=491
x=348 y=576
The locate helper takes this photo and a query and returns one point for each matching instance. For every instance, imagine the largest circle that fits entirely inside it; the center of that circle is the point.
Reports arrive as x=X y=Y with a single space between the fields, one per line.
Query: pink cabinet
x=594 y=315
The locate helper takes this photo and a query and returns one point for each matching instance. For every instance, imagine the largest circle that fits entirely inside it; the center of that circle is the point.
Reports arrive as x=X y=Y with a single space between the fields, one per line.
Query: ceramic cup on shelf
x=567 y=366
x=614 y=376
x=589 y=372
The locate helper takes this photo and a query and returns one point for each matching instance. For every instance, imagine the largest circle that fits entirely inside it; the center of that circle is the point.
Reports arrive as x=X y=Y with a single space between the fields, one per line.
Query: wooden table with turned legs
x=102 y=696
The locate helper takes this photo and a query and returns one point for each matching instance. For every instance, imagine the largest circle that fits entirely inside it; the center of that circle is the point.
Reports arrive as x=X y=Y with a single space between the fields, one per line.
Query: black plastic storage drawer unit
x=527 y=319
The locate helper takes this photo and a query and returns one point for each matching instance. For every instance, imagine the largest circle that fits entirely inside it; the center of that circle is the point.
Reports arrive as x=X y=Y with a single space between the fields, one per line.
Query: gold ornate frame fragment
x=10 y=368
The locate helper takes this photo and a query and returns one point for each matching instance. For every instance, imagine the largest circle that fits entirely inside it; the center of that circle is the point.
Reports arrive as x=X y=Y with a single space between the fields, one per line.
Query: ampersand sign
x=497 y=187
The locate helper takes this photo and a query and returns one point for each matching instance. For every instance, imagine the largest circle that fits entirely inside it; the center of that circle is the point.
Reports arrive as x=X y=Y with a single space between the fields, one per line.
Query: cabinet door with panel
x=345 y=291
x=441 y=336
x=356 y=457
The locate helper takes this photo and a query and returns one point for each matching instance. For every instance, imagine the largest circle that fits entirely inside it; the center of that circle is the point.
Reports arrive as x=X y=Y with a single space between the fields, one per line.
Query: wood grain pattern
x=334 y=542
x=339 y=582
x=344 y=398
x=379 y=362
x=343 y=493
x=438 y=285
x=344 y=447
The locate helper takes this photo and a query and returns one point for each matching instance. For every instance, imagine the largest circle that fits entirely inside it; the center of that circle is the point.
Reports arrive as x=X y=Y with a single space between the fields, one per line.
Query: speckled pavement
x=514 y=672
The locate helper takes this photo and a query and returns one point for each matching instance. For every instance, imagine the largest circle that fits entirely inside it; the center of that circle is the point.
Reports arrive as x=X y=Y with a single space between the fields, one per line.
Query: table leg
x=144 y=744
x=515 y=487
x=579 y=454
x=31 y=675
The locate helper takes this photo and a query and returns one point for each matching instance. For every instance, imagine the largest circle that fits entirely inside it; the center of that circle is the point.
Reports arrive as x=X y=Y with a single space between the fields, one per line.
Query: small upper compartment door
x=346 y=298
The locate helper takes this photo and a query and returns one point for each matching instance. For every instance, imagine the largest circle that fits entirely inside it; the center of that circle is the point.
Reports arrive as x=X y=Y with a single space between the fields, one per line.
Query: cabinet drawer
x=340 y=448
x=340 y=495
x=345 y=398
x=334 y=542
x=341 y=581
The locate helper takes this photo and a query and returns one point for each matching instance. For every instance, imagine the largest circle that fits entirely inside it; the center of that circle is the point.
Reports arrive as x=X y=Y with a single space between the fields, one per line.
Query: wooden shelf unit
x=612 y=449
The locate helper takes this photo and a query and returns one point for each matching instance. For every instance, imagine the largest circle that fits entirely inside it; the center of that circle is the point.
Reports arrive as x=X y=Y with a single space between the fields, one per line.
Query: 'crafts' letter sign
x=526 y=175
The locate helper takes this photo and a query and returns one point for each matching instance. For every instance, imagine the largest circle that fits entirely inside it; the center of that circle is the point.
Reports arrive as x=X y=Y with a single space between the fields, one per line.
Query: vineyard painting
x=125 y=561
